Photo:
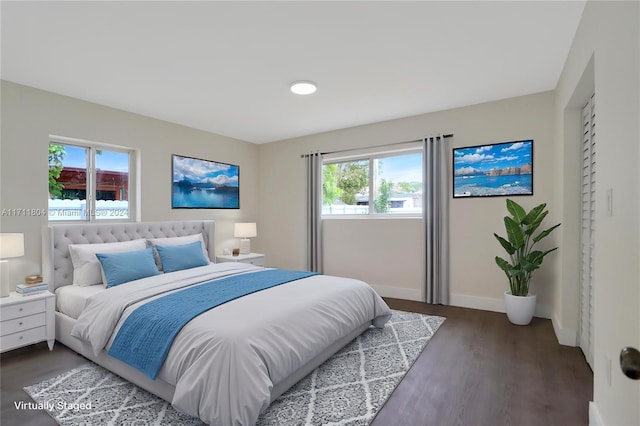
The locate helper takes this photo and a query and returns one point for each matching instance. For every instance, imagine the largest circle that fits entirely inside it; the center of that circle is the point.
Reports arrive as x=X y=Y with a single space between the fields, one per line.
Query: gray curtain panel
x=314 y=212
x=436 y=219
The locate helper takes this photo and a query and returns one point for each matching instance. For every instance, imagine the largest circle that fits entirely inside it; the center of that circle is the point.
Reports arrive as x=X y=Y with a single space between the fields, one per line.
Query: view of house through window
x=88 y=183
x=389 y=184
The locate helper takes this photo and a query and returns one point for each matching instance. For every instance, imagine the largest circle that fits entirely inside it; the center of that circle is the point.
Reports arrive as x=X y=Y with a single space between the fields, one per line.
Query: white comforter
x=225 y=362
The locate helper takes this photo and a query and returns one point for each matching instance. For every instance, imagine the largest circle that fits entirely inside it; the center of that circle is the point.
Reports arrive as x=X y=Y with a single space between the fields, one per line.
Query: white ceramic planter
x=519 y=309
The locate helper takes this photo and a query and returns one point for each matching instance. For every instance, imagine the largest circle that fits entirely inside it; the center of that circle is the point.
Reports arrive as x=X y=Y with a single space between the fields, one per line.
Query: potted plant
x=523 y=259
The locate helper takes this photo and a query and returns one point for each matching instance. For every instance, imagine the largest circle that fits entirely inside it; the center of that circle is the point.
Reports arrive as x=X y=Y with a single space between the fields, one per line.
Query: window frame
x=371 y=155
x=91 y=190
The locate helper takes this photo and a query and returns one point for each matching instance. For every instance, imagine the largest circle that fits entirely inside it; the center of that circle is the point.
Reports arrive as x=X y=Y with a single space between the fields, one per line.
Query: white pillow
x=175 y=241
x=86 y=267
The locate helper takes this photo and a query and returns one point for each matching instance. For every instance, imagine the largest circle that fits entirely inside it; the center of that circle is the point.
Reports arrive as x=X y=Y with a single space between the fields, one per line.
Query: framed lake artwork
x=204 y=184
x=500 y=169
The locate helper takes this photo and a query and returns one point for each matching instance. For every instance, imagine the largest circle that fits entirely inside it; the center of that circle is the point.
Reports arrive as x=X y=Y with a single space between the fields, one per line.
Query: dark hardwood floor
x=477 y=370
x=28 y=366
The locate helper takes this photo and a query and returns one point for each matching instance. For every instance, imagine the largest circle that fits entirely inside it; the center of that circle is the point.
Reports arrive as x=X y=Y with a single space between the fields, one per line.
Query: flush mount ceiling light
x=303 y=87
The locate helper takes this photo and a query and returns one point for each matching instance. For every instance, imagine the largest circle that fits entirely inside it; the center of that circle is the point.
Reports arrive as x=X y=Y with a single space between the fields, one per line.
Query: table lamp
x=11 y=245
x=245 y=231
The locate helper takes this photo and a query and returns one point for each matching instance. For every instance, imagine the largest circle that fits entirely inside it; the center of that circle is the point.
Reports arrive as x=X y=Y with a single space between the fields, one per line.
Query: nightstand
x=256 y=259
x=27 y=319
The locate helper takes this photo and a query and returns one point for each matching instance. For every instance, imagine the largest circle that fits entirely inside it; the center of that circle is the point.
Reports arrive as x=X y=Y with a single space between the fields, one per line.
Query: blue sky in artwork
x=203 y=171
x=488 y=157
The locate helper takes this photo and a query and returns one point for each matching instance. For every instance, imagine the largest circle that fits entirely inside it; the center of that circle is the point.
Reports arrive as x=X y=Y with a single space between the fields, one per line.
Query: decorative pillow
x=86 y=268
x=175 y=241
x=127 y=266
x=177 y=258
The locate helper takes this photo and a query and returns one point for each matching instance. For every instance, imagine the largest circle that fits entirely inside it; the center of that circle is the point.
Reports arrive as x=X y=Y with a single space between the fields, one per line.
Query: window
x=88 y=181
x=378 y=184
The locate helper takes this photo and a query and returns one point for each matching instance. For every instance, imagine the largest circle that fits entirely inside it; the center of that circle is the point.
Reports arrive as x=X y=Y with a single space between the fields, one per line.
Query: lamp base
x=5 y=287
x=245 y=246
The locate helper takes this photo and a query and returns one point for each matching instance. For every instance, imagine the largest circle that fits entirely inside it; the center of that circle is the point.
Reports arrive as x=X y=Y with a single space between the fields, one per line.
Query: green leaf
x=532 y=216
x=533 y=261
x=506 y=244
x=531 y=228
x=503 y=264
x=546 y=253
x=518 y=273
x=544 y=233
x=514 y=232
x=56 y=155
x=519 y=245
x=517 y=212
x=535 y=257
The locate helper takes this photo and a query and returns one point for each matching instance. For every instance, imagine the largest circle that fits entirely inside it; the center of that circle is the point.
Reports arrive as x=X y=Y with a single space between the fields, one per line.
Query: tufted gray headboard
x=57 y=269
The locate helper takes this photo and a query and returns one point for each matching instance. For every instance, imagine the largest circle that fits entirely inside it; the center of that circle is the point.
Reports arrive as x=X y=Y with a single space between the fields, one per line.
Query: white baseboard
x=594 y=415
x=398 y=292
x=565 y=336
x=491 y=304
x=476 y=302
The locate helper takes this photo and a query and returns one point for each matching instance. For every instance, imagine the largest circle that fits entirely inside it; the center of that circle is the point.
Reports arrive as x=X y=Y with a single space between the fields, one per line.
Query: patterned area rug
x=348 y=389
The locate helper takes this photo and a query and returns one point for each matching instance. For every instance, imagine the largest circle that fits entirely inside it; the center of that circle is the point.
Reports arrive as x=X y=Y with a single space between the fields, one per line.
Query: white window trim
x=133 y=180
x=368 y=154
x=380 y=151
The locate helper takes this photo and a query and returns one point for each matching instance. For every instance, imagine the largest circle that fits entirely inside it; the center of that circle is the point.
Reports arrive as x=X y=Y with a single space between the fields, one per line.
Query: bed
x=229 y=363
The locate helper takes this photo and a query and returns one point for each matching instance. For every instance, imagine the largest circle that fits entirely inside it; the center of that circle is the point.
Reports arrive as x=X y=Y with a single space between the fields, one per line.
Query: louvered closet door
x=588 y=229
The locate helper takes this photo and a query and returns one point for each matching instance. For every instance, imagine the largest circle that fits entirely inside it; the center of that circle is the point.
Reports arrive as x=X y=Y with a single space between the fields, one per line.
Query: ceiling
x=226 y=67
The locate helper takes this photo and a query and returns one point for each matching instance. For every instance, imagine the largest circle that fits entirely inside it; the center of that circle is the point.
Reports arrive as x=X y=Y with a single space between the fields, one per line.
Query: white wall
x=605 y=57
x=388 y=253
x=29 y=116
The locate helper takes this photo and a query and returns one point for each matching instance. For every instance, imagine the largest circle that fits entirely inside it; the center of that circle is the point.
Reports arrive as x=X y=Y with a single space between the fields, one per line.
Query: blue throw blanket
x=145 y=337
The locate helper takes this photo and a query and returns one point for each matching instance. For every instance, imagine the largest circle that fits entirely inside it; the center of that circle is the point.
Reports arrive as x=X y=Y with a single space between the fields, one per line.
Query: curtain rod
x=448 y=135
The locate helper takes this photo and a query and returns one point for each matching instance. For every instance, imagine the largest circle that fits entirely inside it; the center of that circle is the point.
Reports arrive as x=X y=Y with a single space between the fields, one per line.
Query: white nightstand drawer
x=23 y=323
x=256 y=262
x=22 y=309
x=256 y=259
x=23 y=338
x=27 y=320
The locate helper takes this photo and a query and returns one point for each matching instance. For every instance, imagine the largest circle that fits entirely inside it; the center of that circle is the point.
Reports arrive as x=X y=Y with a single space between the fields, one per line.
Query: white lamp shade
x=11 y=245
x=245 y=230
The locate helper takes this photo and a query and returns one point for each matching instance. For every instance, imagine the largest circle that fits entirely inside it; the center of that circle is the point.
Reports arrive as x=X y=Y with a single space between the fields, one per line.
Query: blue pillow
x=127 y=266
x=179 y=257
